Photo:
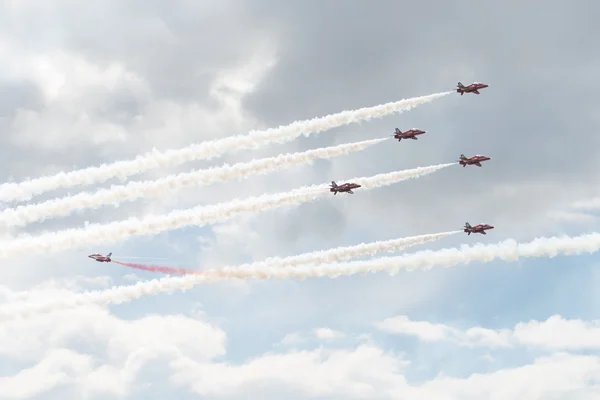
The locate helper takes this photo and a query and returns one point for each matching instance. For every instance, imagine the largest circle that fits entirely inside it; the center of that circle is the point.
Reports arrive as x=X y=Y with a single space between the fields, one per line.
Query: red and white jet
x=472 y=88
x=410 y=134
x=100 y=257
x=475 y=160
x=345 y=188
x=481 y=228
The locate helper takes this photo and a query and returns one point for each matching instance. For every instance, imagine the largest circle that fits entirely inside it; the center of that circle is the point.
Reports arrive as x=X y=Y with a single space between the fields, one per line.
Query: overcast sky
x=88 y=83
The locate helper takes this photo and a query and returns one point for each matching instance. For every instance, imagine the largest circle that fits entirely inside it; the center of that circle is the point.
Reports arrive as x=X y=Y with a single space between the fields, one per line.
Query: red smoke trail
x=158 y=268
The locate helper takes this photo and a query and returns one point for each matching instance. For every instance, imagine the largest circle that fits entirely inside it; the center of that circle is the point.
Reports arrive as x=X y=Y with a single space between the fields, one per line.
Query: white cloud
x=362 y=372
x=131 y=277
x=555 y=333
x=79 y=92
x=316 y=335
x=328 y=334
x=425 y=331
x=369 y=372
x=120 y=348
x=559 y=333
x=192 y=348
x=556 y=376
x=572 y=217
x=486 y=337
x=54 y=288
x=75 y=92
x=57 y=367
x=292 y=339
x=587 y=204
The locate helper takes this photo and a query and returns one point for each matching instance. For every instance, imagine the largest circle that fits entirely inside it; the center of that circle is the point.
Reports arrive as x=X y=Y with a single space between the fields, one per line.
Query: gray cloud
x=537 y=120
x=533 y=120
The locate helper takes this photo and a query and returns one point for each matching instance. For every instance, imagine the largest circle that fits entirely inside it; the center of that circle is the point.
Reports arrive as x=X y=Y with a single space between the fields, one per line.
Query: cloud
x=572 y=217
x=423 y=330
x=327 y=334
x=58 y=367
x=564 y=375
x=53 y=288
x=193 y=350
x=72 y=89
x=559 y=333
x=89 y=83
x=315 y=336
x=555 y=333
x=292 y=339
x=316 y=373
x=99 y=352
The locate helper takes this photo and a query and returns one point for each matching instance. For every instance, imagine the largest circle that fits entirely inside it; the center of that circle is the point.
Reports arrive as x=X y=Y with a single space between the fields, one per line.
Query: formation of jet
x=345 y=188
x=475 y=160
x=481 y=228
x=398 y=134
x=472 y=88
x=410 y=134
x=100 y=257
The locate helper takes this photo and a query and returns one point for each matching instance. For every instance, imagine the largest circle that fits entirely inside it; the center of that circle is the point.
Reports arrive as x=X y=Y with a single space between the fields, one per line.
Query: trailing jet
x=472 y=88
x=481 y=228
x=475 y=160
x=345 y=188
x=410 y=134
x=100 y=257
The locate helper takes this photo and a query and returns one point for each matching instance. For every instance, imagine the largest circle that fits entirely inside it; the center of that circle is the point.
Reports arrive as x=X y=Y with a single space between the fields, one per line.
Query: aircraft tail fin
x=109 y=254
x=333 y=184
x=460 y=85
x=467 y=225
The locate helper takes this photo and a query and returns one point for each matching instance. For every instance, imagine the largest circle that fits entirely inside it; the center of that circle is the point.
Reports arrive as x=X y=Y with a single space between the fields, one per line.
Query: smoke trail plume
x=120 y=230
x=24 y=215
x=158 y=268
x=205 y=150
x=348 y=252
x=123 y=294
x=317 y=257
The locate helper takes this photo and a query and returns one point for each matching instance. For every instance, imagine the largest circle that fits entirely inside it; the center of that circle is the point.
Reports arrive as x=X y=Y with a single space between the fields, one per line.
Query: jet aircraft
x=100 y=257
x=472 y=88
x=475 y=160
x=410 y=134
x=481 y=228
x=345 y=188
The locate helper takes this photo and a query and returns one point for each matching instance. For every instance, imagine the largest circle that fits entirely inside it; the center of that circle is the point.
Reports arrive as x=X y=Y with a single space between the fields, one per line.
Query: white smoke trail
x=24 y=215
x=117 y=231
x=122 y=294
x=205 y=150
x=348 y=252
